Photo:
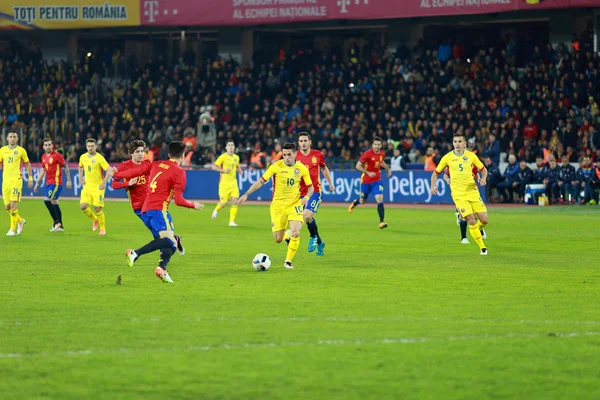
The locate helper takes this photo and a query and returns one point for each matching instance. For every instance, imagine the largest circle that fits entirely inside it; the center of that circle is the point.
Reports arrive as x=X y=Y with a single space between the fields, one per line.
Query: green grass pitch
x=402 y=313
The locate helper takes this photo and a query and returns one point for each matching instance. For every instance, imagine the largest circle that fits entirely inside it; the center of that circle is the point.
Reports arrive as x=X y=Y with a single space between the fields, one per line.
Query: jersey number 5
x=460 y=167
x=153 y=184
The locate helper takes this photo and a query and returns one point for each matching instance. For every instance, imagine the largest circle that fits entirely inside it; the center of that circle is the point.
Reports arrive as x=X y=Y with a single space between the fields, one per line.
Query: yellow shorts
x=469 y=204
x=281 y=215
x=11 y=191
x=92 y=197
x=228 y=191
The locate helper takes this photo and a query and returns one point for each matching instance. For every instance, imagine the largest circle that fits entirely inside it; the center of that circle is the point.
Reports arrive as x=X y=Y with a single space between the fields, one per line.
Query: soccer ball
x=261 y=262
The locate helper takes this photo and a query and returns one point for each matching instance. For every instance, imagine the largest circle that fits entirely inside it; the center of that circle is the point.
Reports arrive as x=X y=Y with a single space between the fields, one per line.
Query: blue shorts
x=314 y=202
x=53 y=191
x=157 y=221
x=368 y=188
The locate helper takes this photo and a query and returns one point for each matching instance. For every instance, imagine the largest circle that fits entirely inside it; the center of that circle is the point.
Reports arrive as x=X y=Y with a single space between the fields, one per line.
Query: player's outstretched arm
x=387 y=168
x=360 y=166
x=327 y=175
x=182 y=202
x=39 y=180
x=143 y=169
x=68 y=173
x=483 y=179
x=257 y=185
x=434 y=177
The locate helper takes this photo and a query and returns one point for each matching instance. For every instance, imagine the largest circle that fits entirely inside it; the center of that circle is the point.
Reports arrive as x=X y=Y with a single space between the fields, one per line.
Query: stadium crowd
x=531 y=103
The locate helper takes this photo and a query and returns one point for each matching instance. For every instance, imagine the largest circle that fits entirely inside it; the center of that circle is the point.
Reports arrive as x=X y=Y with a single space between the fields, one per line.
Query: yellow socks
x=89 y=213
x=476 y=234
x=292 y=248
x=102 y=220
x=286 y=235
x=232 y=213
x=218 y=207
x=13 y=220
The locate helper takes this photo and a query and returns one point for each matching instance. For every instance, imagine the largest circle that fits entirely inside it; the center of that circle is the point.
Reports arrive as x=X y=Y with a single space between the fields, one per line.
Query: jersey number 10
x=290 y=181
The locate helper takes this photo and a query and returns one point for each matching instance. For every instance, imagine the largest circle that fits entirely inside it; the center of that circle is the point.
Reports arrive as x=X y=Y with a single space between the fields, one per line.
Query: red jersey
x=167 y=182
x=314 y=161
x=372 y=163
x=53 y=164
x=137 y=192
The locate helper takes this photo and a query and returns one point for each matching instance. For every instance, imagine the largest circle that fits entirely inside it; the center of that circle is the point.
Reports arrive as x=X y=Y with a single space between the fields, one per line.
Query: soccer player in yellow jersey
x=465 y=194
x=91 y=166
x=228 y=164
x=286 y=207
x=12 y=180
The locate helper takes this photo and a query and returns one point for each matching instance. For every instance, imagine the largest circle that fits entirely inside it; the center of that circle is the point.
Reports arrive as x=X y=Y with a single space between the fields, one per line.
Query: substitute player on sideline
x=286 y=206
x=53 y=163
x=228 y=164
x=12 y=180
x=167 y=181
x=465 y=194
x=314 y=160
x=91 y=166
x=137 y=187
x=370 y=165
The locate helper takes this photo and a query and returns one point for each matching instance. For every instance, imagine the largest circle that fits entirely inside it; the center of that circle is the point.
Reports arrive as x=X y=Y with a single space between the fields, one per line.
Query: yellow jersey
x=461 y=172
x=11 y=160
x=286 y=181
x=92 y=169
x=232 y=162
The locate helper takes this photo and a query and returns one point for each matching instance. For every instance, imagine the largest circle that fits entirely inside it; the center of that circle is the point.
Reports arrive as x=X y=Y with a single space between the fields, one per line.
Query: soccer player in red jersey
x=370 y=165
x=53 y=163
x=315 y=162
x=167 y=182
x=137 y=187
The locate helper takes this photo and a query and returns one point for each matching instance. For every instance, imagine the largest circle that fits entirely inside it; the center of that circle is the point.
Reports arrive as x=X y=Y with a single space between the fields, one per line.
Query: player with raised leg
x=91 y=166
x=286 y=206
x=167 y=182
x=465 y=193
x=228 y=164
x=53 y=163
x=136 y=187
x=314 y=160
x=370 y=165
x=12 y=180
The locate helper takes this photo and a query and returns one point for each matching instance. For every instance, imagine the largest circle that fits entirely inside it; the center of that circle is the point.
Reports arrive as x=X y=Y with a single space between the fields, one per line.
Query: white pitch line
x=335 y=342
x=297 y=319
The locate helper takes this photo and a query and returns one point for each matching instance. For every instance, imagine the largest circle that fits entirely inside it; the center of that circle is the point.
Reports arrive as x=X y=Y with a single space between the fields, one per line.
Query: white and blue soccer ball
x=261 y=262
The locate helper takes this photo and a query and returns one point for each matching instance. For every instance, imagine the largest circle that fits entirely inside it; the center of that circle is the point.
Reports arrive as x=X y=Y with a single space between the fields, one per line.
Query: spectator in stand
x=584 y=179
x=492 y=149
x=494 y=177
x=398 y=163
x=567 y=182
x=524 y=177
x=540 y=172
x=552 y=179
x=530 y=131
x=510 y=177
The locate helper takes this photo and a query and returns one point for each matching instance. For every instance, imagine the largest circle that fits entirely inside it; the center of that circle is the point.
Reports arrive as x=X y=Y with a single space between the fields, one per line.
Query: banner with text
x=401 y=187
x=252 y=12
x=70 y=14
